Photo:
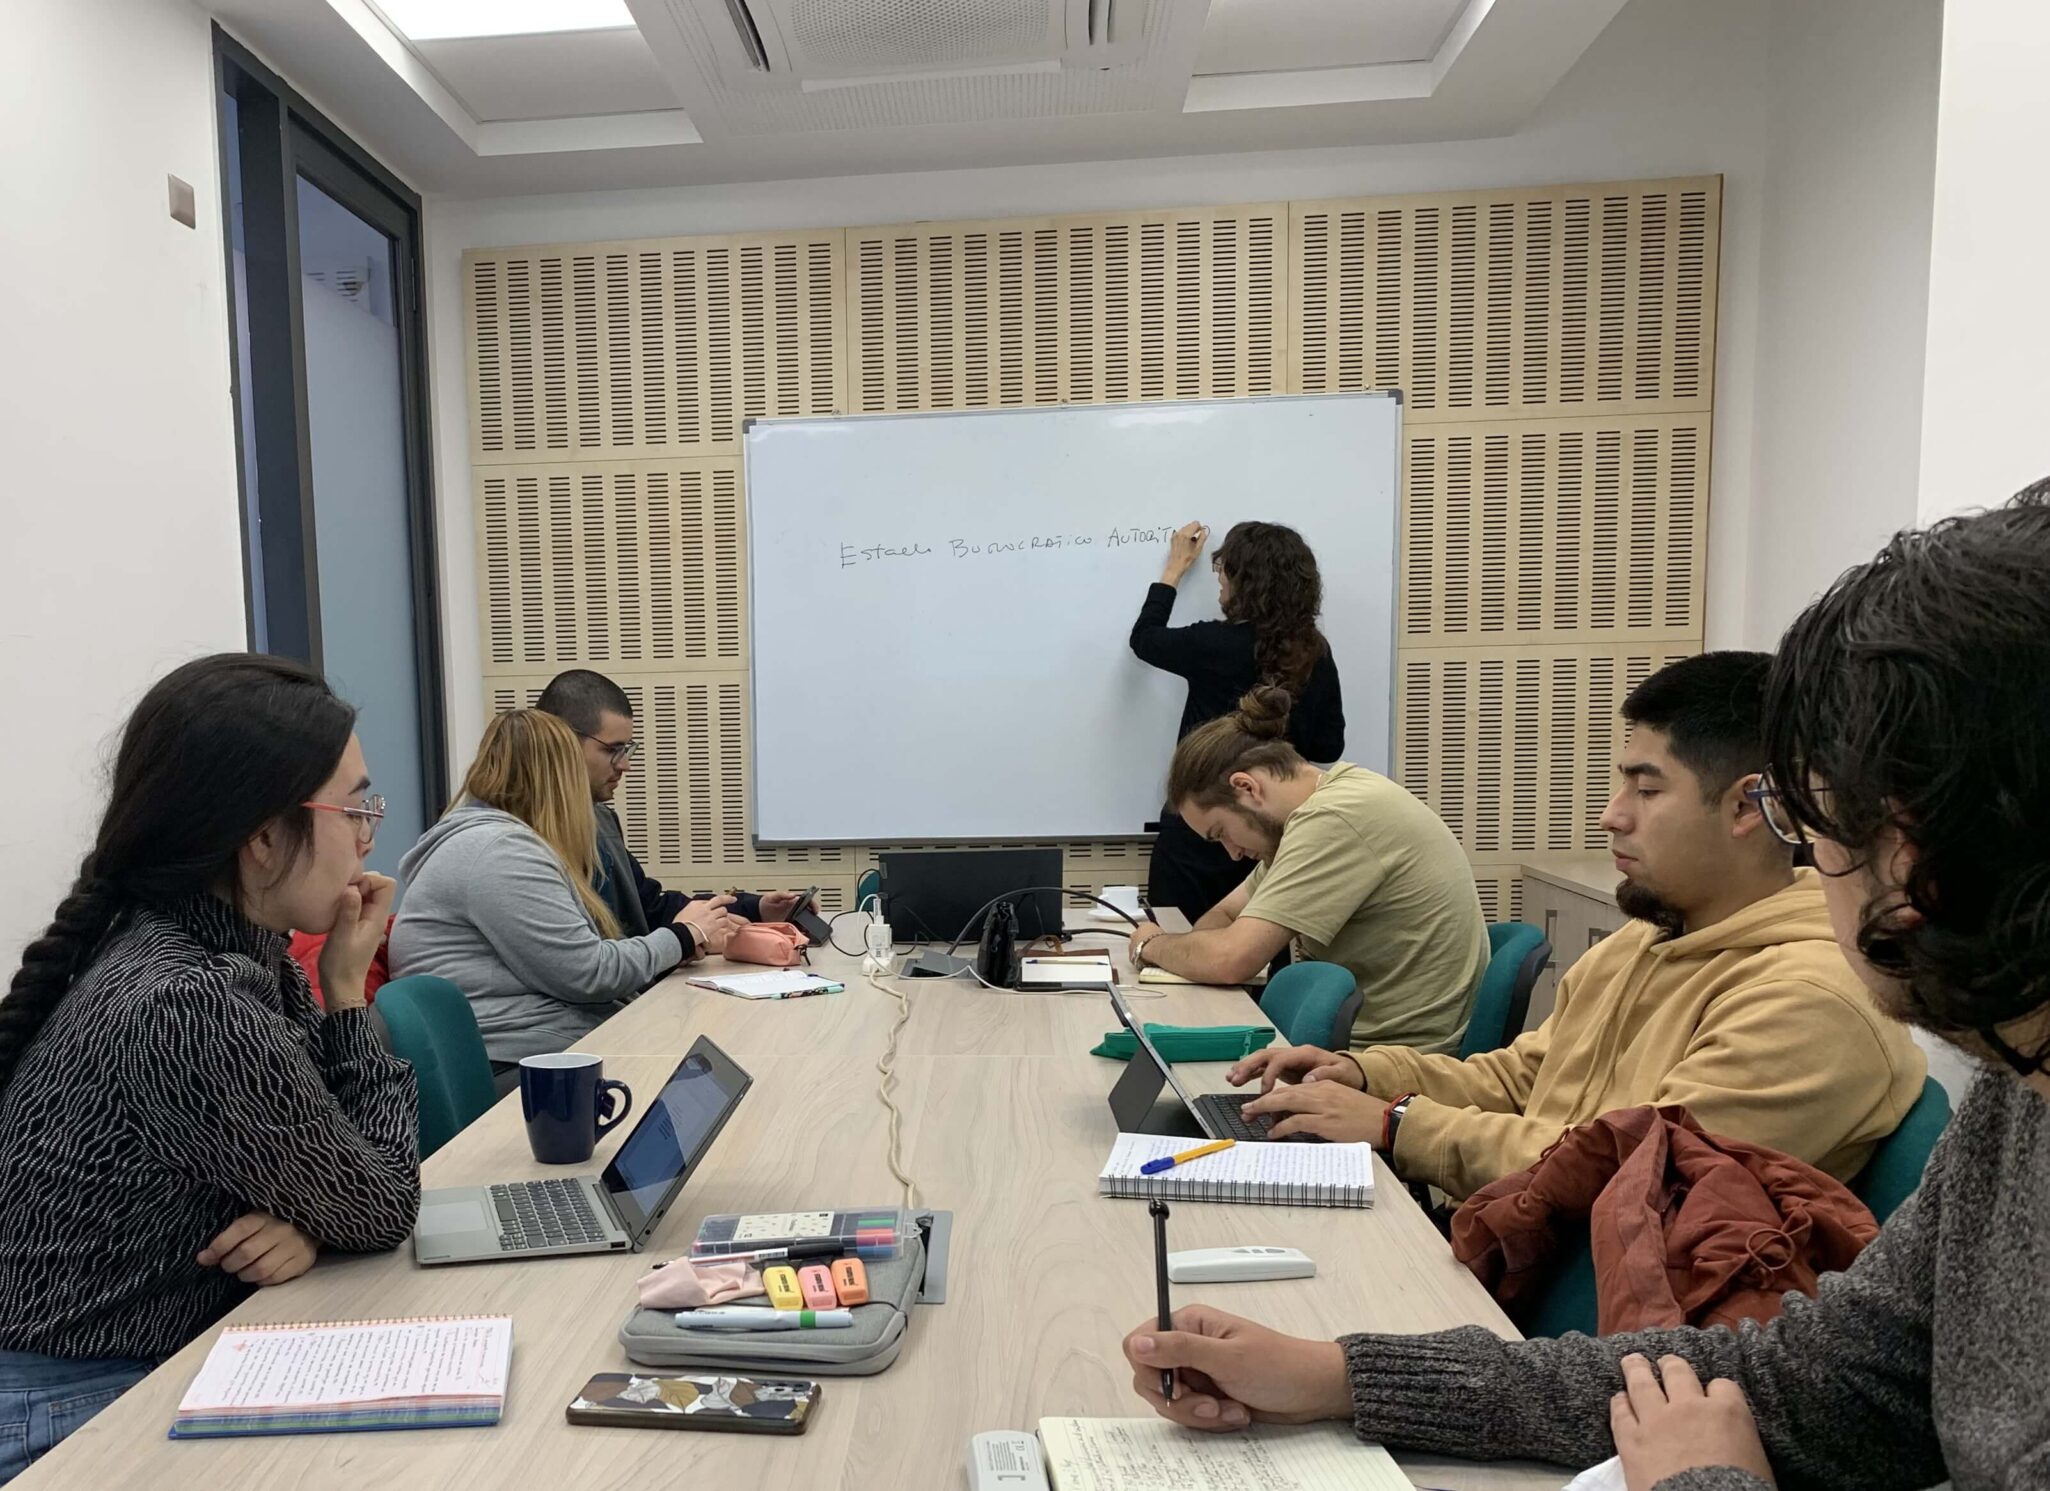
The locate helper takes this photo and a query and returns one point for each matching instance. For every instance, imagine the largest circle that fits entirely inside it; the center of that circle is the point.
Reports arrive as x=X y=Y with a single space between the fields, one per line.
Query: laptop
x=611 y=1213
x=1210 y=1115
x=931 y=895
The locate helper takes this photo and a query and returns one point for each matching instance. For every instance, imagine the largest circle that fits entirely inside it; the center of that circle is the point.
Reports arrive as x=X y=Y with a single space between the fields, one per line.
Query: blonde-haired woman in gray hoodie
x=499 y=900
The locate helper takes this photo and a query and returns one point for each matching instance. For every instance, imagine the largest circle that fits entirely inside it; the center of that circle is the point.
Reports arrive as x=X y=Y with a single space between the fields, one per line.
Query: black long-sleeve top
x=188 y=1078
x=1217 y=659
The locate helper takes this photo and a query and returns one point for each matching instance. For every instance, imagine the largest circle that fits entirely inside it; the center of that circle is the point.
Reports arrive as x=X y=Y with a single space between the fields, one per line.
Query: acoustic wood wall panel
x=684 y=803
x=1166 y=305
x=625 y=567
x=1516 y=750
x=1527 y=303
x=1548 y=531
x=1555 y=348
x=651 y=348
x=1501 y=888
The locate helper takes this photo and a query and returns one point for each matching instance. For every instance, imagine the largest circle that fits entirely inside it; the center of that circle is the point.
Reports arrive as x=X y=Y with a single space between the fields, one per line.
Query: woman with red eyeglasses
x=179 y=1122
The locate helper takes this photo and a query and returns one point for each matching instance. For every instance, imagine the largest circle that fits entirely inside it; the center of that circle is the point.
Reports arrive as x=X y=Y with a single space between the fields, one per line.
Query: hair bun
x=1263 y=712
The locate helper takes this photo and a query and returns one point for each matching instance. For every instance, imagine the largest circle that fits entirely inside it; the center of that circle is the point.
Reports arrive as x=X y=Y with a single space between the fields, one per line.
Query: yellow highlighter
x=780 y=1283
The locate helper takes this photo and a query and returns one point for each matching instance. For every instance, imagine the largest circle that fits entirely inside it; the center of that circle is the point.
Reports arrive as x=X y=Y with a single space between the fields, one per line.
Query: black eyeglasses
x=1772 y=807
x=621 y=751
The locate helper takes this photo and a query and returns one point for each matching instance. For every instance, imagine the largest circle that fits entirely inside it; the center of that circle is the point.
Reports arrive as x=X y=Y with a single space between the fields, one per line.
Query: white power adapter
x=875 y=935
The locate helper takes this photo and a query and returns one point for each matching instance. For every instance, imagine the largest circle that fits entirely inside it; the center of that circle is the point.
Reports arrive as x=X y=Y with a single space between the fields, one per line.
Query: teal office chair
x=1570 y=1304
x=432 y=1027
x=1313 y=1004
x=1895 y=1169
x=1517 y=955
x=1888 y=1179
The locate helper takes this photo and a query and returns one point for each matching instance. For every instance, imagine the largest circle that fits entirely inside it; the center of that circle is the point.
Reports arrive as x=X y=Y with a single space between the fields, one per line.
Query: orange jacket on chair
x=1686 y=1228
x=305 y=949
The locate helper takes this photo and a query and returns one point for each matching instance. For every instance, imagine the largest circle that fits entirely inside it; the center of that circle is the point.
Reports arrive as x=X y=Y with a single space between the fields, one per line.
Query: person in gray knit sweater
x=1909 y=743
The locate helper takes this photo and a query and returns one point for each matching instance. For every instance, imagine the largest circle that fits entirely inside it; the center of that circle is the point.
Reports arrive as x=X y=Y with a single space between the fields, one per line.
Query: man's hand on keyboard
x=1279 y=1064
x=1330 y=1110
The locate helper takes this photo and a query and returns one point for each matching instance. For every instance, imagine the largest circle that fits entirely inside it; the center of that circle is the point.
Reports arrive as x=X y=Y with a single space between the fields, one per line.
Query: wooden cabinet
x=1572 y=899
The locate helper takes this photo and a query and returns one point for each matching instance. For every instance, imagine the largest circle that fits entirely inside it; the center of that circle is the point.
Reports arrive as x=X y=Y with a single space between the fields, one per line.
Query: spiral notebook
x=342 y=1376
x=1265 y=1174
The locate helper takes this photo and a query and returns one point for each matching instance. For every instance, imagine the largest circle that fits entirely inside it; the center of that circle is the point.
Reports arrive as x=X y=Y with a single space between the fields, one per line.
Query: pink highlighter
x=817 y=1286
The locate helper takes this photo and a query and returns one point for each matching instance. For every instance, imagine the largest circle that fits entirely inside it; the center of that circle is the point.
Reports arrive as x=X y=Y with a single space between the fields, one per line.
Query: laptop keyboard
x=1221 y=1110
x=544 y=1214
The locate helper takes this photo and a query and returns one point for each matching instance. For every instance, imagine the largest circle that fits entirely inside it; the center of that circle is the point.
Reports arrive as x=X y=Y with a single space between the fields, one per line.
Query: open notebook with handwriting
x=1154 y=1455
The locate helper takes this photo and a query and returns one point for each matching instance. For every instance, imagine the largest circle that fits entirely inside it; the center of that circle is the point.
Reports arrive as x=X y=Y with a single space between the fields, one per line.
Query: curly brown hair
x=1275 y=587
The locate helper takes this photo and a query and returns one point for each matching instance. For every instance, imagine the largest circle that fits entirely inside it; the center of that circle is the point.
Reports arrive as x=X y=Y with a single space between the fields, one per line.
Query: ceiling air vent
x=817 y=44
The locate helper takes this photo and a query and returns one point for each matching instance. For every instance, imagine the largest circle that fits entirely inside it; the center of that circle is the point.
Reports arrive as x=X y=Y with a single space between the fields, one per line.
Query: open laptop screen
x=672 y=1136
x=1152 y=1052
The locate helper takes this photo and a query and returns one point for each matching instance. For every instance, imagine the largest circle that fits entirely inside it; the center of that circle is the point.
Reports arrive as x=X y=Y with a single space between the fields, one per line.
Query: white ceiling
x=550 y=77
x=1286 y=35
x=676 y=101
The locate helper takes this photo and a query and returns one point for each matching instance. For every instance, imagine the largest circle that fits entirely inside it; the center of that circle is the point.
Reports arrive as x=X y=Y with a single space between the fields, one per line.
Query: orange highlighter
x=850 y=1281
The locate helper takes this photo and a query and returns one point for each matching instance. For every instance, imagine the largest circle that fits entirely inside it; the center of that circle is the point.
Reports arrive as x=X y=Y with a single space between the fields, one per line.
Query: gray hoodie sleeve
x=1839 y=1384
x=524 y=906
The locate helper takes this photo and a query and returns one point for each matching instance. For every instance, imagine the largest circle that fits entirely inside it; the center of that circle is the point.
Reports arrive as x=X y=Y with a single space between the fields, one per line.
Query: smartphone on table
x=729 y=1405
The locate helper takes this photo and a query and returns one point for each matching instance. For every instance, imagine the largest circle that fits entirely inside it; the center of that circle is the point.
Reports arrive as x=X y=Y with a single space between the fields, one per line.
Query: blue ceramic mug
x=561 y=1094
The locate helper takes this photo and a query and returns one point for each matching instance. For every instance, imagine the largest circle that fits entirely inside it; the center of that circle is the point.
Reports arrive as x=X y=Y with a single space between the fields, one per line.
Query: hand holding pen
x=1166 y=1309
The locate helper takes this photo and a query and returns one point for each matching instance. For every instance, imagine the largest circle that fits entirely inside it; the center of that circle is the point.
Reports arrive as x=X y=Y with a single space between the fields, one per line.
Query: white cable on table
x=886 y=1090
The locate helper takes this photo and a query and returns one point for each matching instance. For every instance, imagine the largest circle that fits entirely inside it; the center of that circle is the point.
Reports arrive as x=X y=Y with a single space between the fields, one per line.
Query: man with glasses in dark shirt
x=603 y=717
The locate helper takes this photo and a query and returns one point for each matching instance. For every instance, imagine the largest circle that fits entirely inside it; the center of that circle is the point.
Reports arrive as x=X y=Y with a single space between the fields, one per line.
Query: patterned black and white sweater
x=185 y=1079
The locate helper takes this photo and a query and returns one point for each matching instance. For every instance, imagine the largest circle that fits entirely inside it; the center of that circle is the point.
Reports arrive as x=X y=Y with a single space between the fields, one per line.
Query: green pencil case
x=1189 y=1042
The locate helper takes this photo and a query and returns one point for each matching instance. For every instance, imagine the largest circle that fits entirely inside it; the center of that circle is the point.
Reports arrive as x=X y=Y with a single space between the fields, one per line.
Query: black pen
x=824 y=1248
x=1159 y=1210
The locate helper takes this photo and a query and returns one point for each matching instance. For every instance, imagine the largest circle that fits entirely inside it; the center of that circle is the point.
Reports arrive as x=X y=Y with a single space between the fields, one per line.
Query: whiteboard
x=940 y=603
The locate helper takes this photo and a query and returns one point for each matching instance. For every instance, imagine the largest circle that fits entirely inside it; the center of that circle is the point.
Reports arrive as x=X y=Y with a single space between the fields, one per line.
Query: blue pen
x=1168 y=1162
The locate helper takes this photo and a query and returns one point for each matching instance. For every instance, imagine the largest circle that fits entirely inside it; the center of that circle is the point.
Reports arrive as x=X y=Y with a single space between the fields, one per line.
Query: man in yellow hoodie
x=1727 y=995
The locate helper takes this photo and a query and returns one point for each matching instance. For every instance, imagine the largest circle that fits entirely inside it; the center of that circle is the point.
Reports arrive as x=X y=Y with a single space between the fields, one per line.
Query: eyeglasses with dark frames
x=621 y=751
x=1772 y=807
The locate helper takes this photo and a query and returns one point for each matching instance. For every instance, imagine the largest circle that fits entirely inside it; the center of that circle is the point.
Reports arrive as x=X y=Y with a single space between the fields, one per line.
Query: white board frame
x=749 y=430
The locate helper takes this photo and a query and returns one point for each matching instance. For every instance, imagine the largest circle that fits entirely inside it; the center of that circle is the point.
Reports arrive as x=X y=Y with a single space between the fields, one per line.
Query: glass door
x=355 y=403
x=330 y=378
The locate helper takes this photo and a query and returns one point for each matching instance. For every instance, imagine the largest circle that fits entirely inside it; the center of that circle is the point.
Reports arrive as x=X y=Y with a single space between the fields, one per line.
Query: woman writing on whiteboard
x=1270 y=592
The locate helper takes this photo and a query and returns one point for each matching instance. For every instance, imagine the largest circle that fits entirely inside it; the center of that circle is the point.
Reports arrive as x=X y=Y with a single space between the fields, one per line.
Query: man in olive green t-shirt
x=1353 y=869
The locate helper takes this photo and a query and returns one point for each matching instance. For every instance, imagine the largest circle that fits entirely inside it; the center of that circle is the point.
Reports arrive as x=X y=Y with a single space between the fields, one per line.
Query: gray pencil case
x=654 y=1339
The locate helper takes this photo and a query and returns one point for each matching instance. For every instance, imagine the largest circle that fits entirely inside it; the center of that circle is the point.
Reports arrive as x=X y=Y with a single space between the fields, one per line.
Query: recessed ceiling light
x=440 y=20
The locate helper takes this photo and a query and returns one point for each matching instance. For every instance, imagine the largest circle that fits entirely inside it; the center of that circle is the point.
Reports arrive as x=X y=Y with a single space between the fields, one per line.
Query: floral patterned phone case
x=734 y=1405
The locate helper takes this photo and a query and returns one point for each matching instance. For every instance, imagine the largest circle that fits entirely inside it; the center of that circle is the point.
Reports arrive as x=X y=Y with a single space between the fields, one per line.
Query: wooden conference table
x=1005 y=1123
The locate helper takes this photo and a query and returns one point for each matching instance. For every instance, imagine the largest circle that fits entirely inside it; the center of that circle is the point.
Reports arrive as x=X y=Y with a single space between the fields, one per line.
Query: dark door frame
x=281 y=137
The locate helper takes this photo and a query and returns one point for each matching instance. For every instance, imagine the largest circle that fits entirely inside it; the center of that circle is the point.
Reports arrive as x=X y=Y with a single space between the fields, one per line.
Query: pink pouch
x=685 y=1285
x=774 y=944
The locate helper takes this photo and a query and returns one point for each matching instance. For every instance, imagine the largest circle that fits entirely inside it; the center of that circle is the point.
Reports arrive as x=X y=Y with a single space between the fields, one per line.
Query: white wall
x=119 y=516
x=1986 y=388
x=1844 y=286
x=1672 y=88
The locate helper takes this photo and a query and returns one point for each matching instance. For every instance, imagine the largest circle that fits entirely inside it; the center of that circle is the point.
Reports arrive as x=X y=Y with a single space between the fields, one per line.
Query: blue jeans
x=43 y=1398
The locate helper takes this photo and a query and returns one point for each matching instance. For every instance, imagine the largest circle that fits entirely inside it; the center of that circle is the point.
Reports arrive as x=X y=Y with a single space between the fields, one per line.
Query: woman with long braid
x=179 y=1122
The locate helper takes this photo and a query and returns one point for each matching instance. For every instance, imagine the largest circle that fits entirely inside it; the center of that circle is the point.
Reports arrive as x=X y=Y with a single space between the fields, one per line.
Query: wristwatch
x=1139 y=950
x=1392 y=1120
